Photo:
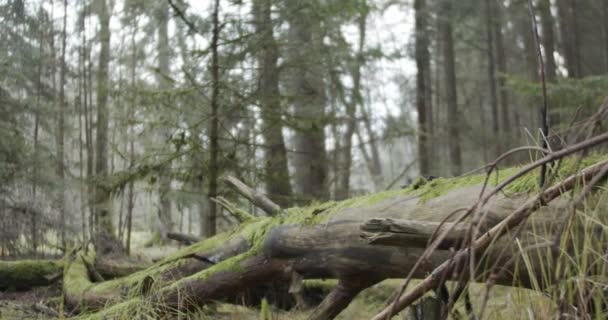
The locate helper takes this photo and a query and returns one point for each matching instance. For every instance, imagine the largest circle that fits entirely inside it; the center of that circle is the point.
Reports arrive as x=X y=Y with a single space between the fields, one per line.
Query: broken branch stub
x=257 y=198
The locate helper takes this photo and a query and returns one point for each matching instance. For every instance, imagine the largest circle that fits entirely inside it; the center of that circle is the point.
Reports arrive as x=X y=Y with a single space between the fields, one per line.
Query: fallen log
x=184 y=238
x=324 y=241
x=82 y=293
x=27 y=274
x=486 y=239
x=411 y=233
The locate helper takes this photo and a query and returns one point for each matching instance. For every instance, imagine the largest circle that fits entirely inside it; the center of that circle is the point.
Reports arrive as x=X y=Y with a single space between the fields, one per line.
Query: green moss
x=325 y=285
x=527 y=183
x=265 y=312
x=135 y=308
x=255 y=231
x=24 y=274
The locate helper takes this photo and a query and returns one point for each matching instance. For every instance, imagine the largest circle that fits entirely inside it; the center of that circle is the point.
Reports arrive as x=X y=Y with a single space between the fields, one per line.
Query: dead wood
x=411 y=233
x=339 y=298
x=184 y=238
x=324 y=241
x=483 y=241
x=27 y=274
x=257 y=198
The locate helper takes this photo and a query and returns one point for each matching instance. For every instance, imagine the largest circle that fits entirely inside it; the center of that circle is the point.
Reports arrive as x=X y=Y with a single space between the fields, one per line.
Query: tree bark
x=548 y=42
x=423 y=90
x=501 y=62
x=445 y=29
x=103 y=213
x=345 y=156
x=165 y=220
x=567 y=27
x=60 y=138
x=210 y=217
x=276 y=174
x=308 y=95
x=491 y=64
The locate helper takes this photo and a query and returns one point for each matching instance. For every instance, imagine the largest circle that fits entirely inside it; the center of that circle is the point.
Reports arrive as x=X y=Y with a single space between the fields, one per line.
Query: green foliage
x=567 y=98
x=13 y=149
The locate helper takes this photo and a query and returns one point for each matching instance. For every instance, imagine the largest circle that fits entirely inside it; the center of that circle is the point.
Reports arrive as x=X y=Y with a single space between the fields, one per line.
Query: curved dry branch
x=482 y=243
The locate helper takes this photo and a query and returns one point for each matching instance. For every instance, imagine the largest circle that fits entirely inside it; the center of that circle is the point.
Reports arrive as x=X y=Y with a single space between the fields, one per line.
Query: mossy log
x=26 y=274
x=325 y=241
x=84 y=294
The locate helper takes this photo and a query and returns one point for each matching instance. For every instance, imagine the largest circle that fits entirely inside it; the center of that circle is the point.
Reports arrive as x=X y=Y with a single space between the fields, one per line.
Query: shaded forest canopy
x=146 y=146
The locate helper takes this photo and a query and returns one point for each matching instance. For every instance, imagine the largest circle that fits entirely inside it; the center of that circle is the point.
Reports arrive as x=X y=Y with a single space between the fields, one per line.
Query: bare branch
x=257 y=198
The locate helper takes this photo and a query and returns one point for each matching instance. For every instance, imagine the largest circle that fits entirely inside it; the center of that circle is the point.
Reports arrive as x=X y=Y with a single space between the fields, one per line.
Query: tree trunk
x=345 y=156
x=61 y=133
x=165 y=221
x=567 y=27
x=276 y=174
x=372 y=158
x=423 y=90
x=501 y=62
x=103 y=213
x=492 y=76
x=307 y=87
x=445 y=29
x=33 y=218
x=548 y=42
x=210 y=217
x=88 y=130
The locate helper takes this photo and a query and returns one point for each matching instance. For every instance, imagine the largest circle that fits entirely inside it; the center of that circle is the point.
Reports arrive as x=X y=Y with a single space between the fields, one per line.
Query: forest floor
x=504 y=303
x=23 y=304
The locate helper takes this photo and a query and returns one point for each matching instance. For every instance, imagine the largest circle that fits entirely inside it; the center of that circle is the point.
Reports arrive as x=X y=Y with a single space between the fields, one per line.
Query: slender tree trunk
x=164 y=188
x=131 y=118
x=81 y=103
x=130 y=201
x=88 y=129
x=61 y=132
x=356 y=99
x=54 y=102
x=492 y=77
x=567 y=27
x=548 y=42
x=423 y=90
x=307 y=91
x=334 y=95
x=576 y=37
x=501 y=62
x=210 y=223
x=532 y=66
x=445 y=29
x=33 y=218
x=276 y=173
x=373 y=162
x=103 y=212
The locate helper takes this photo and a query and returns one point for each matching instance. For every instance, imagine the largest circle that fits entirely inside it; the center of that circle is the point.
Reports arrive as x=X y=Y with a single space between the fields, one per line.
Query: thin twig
x=481 y=243
x=482 y=201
